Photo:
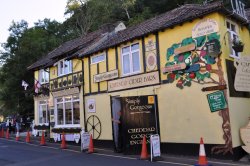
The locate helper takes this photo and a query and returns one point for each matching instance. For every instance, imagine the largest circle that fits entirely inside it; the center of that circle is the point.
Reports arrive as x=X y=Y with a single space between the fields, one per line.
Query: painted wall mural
x=197 y=60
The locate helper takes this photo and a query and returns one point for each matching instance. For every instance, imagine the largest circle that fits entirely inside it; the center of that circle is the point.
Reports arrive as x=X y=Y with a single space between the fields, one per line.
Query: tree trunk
x=227 y=136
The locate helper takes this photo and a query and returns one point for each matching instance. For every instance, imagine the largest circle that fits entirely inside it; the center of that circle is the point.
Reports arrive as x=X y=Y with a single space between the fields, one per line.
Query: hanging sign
x=174 y=67
x=217 y=101
x=239 y=8
x=91 y=105
x=183 y=49
x=85 y=139
x=205 y=27
x=155 y=146
x=242 y=77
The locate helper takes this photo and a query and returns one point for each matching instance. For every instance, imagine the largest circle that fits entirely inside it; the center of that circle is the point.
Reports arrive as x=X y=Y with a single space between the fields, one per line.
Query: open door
x=116 y=122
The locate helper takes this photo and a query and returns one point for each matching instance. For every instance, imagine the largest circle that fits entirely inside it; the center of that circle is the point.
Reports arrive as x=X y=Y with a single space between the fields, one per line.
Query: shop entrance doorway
x=116 y=119
x=133 y=118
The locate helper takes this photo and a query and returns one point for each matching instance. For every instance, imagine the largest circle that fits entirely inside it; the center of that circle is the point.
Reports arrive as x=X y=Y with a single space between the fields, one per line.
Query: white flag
x=25 y=84
x=37 y=86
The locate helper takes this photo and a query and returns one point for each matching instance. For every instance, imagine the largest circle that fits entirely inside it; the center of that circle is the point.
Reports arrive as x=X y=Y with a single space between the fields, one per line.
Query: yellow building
x=172 y=75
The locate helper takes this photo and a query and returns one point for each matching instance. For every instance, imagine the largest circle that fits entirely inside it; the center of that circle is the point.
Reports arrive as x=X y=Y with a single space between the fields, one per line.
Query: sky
x=30 y=11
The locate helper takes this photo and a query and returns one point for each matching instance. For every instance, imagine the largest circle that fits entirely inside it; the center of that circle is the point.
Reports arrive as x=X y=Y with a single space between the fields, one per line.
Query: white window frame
x=64 y=113
x=96 y=56
x=232 y=34
x=131 y=72
x=46 y=103
x=44 y=76
x=63 y=71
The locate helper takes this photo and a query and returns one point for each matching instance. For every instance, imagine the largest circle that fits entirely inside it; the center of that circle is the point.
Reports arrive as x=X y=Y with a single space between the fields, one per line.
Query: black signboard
x=139 y=119
x=213 y=48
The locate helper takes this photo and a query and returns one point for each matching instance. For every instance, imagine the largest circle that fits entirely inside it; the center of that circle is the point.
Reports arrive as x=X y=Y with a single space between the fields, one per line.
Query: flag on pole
x=37 y=86
x=25 y=84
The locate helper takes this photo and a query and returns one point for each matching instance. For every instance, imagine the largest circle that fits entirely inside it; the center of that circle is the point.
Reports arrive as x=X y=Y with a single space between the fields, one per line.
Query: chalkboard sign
x=217 y=101
x=213 y=48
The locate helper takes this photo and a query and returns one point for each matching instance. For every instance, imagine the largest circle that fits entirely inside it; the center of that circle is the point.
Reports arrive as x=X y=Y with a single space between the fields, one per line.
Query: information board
x=217 y=101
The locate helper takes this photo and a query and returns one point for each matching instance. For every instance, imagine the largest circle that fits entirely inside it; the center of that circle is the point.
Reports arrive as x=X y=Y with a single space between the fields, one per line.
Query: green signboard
x=217 y=101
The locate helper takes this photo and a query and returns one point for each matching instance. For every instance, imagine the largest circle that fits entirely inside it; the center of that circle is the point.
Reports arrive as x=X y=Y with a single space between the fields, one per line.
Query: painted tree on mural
x=202 y=68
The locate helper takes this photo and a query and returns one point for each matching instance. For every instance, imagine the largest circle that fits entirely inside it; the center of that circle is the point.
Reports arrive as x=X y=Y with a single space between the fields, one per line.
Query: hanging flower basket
x=238 y=48
x=238 y=45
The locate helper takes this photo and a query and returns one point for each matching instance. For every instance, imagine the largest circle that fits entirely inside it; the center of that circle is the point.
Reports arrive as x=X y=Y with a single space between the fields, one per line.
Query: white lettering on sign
x=239 y=8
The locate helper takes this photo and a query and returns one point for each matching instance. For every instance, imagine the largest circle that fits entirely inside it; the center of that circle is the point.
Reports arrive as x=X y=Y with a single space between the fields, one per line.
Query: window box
x=66 y=130
x=41 y=127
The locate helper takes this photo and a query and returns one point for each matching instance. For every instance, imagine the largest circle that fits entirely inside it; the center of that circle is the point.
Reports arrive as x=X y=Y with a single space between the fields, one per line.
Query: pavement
x=165 y=158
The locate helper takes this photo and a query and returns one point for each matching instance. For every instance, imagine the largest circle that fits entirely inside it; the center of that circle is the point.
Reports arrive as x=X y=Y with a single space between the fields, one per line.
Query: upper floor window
x=64 y=67
x=43 y=112
x=98 y=58
x=44 y=76
x=131 y=59
x=233 y=35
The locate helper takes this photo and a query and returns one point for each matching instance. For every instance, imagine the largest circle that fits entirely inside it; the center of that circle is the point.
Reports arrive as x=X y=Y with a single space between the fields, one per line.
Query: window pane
x=97 y=58
x=60 y=114
x=59 y=100
x=125 y=49
x=75 y=98
x=126 y=64
x=228 y=25
x=135 y=47
x=233 y=27
x=76 y=112
x=68 y=98
x=136 y=61
x=68 y=113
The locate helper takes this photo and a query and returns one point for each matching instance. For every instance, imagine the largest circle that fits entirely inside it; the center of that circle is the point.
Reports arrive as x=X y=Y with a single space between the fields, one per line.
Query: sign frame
x=217 y=101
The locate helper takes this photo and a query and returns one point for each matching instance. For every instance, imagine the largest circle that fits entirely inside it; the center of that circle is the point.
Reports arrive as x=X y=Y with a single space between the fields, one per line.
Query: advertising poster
x=139 y=119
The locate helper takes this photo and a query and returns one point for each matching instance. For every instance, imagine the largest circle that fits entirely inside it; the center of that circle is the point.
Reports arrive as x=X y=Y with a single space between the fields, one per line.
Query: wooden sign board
x=134 y=81
x=217 y=101
x=175 y=67
x=106 y=76
x=212 y=88
x=183 y=49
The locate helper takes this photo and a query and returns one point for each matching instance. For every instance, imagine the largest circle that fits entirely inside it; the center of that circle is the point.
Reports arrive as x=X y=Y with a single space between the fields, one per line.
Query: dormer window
x=64 y=67
x=44 y=76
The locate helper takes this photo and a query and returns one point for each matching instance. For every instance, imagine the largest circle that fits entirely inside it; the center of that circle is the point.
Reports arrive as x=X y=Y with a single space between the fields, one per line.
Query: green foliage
x=24 y=46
